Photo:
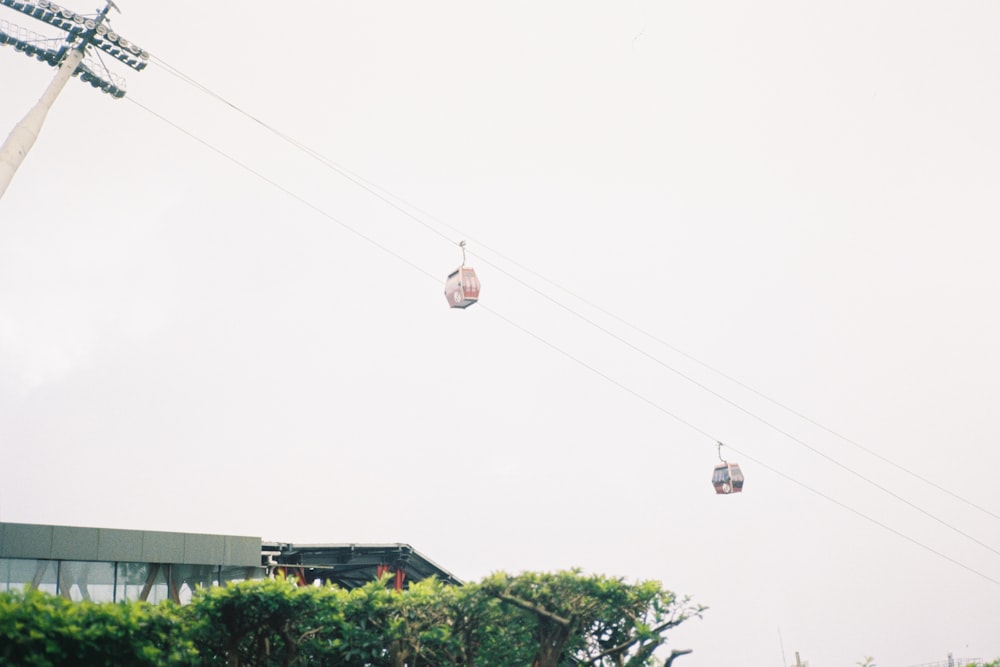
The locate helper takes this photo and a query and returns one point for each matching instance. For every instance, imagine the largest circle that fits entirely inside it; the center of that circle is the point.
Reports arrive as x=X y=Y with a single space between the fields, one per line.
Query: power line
x=555 y=347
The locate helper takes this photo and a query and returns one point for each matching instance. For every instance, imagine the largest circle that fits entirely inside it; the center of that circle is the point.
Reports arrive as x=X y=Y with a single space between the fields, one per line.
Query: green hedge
x=41 y=630
x=504 y=621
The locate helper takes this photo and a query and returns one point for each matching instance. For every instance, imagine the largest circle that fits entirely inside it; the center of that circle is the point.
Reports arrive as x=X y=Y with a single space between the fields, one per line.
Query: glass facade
x=118 y=582
x=16 y=573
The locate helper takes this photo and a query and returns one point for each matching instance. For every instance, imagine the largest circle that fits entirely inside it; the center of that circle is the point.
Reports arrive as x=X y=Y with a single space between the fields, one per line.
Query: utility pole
x=83 y=33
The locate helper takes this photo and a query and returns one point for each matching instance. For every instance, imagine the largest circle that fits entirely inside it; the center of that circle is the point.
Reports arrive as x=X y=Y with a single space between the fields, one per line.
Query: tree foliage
x=592 y=620
x=547 y=619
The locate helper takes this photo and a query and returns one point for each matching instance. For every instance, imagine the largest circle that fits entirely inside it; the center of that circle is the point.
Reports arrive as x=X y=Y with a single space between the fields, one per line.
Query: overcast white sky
x=802 y=195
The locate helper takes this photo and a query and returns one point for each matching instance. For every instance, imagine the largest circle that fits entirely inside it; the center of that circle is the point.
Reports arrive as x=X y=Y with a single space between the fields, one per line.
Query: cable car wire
x=743 y=454
x=378 y=193
x=557 y=348
x=728 y=377
x=364 y=184
x=406 y=209
x=346 y=173
x=361 y=182
x=755 y=416
x=861 y=514
x=272 y=182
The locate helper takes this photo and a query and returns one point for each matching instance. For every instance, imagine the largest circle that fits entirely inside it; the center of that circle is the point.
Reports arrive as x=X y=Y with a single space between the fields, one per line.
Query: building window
x=16 y=573
x=148 y=582
x=85 y=580
x=118 y=582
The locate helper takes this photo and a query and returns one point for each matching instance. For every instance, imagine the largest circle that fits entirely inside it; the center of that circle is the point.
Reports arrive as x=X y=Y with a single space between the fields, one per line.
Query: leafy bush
x=504 y=621
x=41 y=630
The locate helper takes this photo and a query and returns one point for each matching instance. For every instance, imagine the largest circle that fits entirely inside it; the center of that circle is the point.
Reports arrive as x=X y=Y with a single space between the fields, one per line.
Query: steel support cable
x=725 y=375
x=663 y=364
x=607 y=331
x=405 y=207
x=361 y=182
x=749 y=413
x=859 y=513
x=551 y=345
x=705 y=433
x=269 y=181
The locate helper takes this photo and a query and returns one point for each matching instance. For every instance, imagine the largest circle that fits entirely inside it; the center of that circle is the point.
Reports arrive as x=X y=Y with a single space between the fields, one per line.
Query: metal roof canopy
x=353 y=565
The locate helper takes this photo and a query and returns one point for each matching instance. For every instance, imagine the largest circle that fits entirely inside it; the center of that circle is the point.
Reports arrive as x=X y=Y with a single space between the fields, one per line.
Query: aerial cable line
x=553 y=346
x=358 y=180
x=705 y=433
x=749 y=413
x=765 y=422
x=406 y=208
x=282 y=188
x=361 y=182
x=863 y=515
x=718 y=372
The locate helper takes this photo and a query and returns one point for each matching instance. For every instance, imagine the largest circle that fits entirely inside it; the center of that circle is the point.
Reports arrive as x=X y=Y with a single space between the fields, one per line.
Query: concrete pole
x=24 y=134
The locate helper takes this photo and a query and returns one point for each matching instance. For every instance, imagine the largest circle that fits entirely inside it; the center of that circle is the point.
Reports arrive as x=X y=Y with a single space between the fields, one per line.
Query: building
x=105 y=564
x=113 y=565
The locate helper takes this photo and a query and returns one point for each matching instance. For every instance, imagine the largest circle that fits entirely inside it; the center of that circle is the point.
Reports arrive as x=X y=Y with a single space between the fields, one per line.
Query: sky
x=772 y=225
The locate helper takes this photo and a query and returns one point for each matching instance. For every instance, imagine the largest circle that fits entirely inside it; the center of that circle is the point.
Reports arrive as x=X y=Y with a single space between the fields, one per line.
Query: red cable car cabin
x=462 y=287
x=727 y=478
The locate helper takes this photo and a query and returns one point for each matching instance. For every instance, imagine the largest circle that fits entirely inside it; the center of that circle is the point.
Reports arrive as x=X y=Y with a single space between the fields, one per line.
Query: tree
x=593 y=620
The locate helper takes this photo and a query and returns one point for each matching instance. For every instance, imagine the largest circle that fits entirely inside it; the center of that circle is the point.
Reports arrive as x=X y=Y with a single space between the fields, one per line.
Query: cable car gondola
x=461 y=288
x=727 y=477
